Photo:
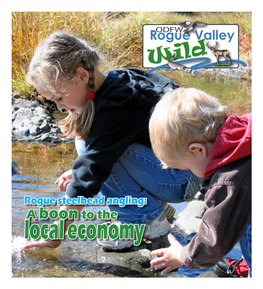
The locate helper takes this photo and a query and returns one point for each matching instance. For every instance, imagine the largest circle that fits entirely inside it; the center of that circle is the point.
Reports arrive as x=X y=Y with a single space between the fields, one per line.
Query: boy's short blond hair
x=184 y=116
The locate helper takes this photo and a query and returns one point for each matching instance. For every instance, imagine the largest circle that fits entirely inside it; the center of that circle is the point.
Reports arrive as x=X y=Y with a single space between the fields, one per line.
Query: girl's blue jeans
x=246 y=245
x=138 y=173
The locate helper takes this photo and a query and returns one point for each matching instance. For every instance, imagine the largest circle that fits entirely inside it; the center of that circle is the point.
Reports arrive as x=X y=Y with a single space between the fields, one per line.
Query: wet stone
x=188 y=221
x=135 y=260
x=33 y=123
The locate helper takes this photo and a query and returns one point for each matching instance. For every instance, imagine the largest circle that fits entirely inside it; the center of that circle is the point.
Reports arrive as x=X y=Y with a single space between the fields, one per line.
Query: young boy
x=190 y=130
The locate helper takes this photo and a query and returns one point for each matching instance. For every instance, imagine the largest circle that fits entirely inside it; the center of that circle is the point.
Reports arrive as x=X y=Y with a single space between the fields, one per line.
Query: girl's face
x=73 y=95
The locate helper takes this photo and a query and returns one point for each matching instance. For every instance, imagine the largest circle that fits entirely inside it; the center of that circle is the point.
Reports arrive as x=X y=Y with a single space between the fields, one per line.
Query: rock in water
x=131 y=262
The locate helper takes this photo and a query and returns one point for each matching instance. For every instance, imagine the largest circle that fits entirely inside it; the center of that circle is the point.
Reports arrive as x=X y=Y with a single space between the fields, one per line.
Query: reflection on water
x=38 y=166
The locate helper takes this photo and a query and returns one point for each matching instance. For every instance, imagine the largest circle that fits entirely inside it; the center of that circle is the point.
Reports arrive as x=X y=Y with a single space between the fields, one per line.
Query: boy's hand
x=170 y=258
x=64 y=180
x=42 y=243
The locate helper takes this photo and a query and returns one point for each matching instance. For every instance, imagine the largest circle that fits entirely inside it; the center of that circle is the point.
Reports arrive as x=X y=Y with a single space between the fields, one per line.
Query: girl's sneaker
x=154 y=229
x=231 y=268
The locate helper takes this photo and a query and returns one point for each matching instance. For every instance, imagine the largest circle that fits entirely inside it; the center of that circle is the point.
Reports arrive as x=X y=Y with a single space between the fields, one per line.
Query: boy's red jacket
x=233 y=142
x=228 y=197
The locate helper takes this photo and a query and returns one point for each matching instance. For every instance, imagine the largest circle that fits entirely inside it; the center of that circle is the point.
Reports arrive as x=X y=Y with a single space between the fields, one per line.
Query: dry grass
x=118 y=36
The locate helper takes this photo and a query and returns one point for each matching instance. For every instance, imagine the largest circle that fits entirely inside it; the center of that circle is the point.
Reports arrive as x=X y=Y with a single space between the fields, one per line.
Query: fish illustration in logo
x=175 y=65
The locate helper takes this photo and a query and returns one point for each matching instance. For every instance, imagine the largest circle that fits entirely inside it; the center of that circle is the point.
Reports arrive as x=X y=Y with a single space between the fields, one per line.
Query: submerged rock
x=134 y=261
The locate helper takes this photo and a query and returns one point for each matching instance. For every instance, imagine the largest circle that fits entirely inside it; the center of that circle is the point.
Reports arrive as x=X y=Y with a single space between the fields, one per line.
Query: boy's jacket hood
x=233 y=142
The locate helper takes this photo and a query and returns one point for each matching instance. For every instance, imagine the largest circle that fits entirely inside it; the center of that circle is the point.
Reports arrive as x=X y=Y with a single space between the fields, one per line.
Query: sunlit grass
x=118 y=36
x=232 y=92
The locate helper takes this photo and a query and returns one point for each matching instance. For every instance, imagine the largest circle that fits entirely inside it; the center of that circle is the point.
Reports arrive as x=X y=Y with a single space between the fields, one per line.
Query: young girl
x=108 y=115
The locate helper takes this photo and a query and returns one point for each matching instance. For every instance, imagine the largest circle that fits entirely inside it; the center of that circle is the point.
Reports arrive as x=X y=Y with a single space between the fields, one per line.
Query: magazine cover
x=131 y=144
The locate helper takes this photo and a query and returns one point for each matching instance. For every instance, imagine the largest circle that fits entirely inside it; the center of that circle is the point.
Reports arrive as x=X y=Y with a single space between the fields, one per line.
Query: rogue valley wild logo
x=191 y=45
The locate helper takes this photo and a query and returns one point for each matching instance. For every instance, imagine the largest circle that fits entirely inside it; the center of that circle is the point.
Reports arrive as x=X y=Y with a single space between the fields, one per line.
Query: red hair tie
x=90 y=95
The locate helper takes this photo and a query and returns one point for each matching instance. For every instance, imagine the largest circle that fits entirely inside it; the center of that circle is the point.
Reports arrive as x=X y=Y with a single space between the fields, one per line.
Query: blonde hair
x=184 y=116
x=55 y=61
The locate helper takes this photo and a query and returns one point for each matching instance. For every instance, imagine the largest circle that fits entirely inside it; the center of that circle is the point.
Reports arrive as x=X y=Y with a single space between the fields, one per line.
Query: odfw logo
x=191 y=45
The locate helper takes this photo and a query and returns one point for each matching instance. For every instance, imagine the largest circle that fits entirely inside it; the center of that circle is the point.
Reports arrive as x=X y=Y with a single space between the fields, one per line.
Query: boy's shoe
x=154 y=229
x=231 y=268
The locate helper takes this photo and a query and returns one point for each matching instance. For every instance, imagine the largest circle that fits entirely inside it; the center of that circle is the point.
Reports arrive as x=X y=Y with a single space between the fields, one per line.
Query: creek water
x=38 y=166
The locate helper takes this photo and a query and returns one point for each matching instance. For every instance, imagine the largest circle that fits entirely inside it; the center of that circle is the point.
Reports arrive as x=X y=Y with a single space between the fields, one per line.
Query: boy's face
x=195 y=159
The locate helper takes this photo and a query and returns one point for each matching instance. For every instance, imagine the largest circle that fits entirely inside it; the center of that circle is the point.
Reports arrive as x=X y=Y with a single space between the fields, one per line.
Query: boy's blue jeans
x=246 y=245
x=138 y=173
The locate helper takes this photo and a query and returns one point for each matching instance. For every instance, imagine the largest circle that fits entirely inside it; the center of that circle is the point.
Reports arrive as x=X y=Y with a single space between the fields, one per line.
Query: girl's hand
x=170 y=258
x=64 y=181
x=41 y=243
